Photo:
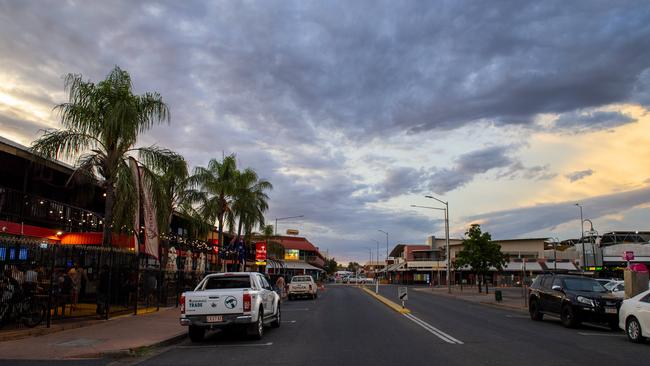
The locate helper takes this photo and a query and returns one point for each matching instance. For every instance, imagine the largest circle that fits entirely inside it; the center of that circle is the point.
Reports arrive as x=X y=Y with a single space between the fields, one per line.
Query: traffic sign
x=403 y=294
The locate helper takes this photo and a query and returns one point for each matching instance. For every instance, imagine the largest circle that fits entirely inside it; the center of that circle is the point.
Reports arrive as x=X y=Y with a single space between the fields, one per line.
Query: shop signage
x=260 y=253
x=292 y=232
x=291 y=254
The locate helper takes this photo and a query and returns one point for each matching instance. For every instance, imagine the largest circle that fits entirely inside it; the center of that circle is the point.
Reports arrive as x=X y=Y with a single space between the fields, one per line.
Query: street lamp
x=375 y=274
x=582 y=235
x=441 y=209
x=385 y=232
x=446 y=240
x=284 y=218
x=555 y=242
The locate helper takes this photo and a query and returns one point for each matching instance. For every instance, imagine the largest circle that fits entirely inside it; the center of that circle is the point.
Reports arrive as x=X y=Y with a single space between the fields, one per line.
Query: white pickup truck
x=302 y=286
x=221 y=300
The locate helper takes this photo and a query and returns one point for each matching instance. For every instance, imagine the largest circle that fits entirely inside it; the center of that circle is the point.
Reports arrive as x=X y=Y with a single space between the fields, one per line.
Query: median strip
x=387 y=302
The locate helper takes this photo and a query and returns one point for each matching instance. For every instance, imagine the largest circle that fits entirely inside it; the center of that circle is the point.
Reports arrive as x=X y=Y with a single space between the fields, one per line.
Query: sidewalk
x=118 y=336
x=512 y=297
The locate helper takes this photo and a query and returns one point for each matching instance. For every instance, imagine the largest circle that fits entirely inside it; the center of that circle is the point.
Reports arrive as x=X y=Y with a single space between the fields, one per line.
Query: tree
x=331 y=266
x=353 y=266
x=217 y=182
x=481 y=253
x=102 y=123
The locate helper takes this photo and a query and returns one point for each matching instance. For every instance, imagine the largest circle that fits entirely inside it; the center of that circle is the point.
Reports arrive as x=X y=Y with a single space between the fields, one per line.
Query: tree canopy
x=480 y=252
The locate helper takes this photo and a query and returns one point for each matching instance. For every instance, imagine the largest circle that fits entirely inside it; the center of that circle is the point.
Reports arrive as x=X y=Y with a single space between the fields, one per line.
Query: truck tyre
x=276 y=323
x=568 y=317
x=256 y=330
x=533 y=309
x=196 y=333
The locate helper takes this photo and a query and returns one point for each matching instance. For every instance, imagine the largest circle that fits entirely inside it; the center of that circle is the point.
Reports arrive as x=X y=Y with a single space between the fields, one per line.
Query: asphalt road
x=346 y=326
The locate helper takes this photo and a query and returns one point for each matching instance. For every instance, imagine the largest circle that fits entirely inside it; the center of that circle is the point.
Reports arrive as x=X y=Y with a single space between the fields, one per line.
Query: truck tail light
x=182 y=303
x=309 y=287
x=247 y=301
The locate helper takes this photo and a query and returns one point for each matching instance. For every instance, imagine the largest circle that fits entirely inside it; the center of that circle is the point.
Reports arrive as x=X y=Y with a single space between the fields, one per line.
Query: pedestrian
x=102 y=291
x=75 y=278
x=31 y=281
x=280 y=284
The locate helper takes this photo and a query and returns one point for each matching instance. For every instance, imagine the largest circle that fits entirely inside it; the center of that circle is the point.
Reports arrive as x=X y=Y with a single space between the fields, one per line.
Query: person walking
x=280 y=284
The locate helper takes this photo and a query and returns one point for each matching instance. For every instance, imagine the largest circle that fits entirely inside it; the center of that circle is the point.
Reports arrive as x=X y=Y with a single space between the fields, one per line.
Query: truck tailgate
x=212 y=302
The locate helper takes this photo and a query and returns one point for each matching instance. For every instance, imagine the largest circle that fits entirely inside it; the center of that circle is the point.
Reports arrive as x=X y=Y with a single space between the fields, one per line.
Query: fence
x=75 y=282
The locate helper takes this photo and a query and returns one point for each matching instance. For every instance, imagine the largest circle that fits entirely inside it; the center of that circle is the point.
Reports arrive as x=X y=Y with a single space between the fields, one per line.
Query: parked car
x=364 y=279
x=634 y=317
x=302 y=286
x=238 y=299
x=574 y=299
x=617 y=288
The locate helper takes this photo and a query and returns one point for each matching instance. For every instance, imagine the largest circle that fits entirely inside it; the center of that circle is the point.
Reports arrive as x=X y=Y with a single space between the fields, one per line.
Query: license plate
x=215 y=318
x=610 y=310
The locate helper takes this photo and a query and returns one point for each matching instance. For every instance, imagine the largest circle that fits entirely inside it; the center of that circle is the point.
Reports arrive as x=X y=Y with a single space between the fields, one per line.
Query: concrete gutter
x=389 y=303
x=136 y=351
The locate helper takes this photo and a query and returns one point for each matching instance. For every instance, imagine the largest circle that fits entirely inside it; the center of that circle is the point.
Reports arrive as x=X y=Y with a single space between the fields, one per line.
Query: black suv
x=575 y=299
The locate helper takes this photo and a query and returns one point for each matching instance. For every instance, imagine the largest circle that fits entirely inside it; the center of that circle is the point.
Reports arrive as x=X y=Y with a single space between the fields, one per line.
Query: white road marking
x=296 y=309
x=601 y=334
x=289 y=321
x=433 y=330
x=229 y=345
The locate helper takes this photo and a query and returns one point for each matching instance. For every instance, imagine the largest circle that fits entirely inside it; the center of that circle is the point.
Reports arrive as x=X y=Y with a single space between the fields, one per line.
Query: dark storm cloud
x=579 y=175
x=518 y=222
x=283 y=84
x=575 y=122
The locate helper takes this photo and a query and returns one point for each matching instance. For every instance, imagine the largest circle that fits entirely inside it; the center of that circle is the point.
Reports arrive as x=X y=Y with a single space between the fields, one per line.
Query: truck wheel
x=196 y=333
x=256 y=330
x=277 y=321
x=568 y=317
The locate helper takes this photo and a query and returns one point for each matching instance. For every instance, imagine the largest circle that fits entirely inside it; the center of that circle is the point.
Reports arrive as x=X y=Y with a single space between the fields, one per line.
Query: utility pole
x=582 y=237
x=446 y=240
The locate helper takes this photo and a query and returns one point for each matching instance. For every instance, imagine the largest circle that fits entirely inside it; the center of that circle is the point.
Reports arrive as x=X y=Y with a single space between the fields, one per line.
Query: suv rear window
x=225 y=282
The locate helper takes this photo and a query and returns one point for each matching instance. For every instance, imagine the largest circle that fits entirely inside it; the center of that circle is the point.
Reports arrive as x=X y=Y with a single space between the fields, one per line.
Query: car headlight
x=585 y=301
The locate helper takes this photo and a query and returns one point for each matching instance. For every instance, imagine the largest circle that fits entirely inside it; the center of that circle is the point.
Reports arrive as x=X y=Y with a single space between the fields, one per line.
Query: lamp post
x=446 y=240
x=385 y=269
x=284 y=218
x=441 y=209
x=592 y=234
x=385 y=233
x=582 y=235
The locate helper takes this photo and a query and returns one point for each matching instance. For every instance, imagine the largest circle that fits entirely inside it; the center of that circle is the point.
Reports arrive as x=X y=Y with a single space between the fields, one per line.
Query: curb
x=135 y=351
x=387 y=302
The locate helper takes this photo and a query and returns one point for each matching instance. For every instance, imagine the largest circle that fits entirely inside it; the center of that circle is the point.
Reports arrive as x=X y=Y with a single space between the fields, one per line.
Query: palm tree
x=250 y=201
x=217 y=184
x=102 y=123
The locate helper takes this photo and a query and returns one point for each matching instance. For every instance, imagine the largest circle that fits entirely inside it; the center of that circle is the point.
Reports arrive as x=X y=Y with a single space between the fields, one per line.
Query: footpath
x=511 y=296
x=122 y=336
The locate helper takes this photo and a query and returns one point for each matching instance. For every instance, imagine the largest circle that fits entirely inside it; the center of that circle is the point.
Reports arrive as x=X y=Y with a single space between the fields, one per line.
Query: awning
x=297 y=265
x=396 y=267
x=565 y=266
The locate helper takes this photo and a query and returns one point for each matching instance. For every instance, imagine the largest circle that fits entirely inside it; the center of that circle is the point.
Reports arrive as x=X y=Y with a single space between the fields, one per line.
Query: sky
x=355 y=110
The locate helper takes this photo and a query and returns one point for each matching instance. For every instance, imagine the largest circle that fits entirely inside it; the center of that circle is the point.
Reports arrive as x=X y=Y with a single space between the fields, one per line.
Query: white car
x=244 y=299
x=634 y=317
x=617 y=288
x=302 y=286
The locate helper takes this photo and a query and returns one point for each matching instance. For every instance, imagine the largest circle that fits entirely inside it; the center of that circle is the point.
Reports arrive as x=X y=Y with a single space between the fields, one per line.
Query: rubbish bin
x=498 y=296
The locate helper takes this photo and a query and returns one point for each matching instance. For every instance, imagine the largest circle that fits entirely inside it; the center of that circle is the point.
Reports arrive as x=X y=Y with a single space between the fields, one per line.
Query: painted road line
x=433 y=330
x=228 y=345
x=289 y=321
x=296 y=309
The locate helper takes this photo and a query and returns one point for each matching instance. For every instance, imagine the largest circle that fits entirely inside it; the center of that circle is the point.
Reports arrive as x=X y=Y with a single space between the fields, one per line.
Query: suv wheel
x=633 y=330
x=533 y=309
x=568 y=317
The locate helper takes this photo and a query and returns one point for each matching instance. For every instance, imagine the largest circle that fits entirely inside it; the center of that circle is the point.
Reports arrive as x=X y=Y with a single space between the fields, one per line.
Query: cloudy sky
x=355 y=110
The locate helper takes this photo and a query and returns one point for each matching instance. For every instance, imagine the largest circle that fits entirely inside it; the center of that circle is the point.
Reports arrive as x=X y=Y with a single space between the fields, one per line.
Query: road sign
x=403 y=294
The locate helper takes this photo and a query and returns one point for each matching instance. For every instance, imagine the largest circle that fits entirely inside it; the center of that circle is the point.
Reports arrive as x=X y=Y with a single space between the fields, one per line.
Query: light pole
x=555 y=242
x=385 y=269
x=446 y=240
x=441 y=209
x=386 y=233
x=284 y=218
x=582 y=235
x=592 y=234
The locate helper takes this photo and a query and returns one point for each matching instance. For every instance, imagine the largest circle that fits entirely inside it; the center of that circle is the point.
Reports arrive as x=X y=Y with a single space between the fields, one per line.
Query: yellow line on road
x=387 y=302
